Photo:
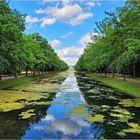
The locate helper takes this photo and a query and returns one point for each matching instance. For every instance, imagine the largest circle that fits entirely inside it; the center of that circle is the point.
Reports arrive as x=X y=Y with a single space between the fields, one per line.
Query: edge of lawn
x=127 y=87
x=10 y=83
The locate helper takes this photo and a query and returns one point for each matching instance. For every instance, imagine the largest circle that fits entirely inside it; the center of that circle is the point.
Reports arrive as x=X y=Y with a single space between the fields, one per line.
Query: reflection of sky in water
x=63 y=127
x=58 y=124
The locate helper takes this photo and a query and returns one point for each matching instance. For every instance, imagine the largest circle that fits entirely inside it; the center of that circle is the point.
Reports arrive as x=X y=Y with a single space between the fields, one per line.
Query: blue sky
x=67 y=24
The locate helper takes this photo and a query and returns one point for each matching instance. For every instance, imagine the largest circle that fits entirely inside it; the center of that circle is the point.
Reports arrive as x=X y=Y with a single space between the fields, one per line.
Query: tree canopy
x=20 y=52
x=118 y=47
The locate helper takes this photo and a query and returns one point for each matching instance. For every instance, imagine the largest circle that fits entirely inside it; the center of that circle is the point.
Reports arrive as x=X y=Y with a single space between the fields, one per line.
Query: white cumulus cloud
x=80 y=18
x=87 y=38
x=70 y=54
x=49 y=117
x=29 y=19
x=90 y=3
x=68 y=126
x=65 y=2
x=72 y=14
x=31 y=22
x=55 y=43
x=39 y=11
x=47 y=21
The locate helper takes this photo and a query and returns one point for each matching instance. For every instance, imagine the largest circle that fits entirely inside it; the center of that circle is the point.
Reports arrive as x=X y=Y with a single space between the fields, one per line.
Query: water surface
x=81 y=109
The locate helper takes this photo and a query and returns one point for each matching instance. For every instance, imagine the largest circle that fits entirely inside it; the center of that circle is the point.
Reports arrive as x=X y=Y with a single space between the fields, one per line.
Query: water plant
x=27 y=114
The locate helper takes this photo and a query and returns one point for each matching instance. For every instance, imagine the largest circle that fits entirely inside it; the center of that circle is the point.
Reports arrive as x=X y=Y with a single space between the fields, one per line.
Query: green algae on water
x=112 y=97
x=49 y=85
x=27 y=114
x=105 y=106
x=111 y=123
x=96 y=118
x=5 y=107
x=13 y=100
x=121 y=111
x=134 y=128
x=79 y=111
x=121 y=133
x=123 y=115
x=130 y=102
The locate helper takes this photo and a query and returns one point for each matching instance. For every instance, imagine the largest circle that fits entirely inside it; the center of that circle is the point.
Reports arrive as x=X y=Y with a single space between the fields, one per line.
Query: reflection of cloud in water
x=68 y=126
x=71 y=83
x=81 y=122
x=49 y=117
x=82 y=98
x=69 y=90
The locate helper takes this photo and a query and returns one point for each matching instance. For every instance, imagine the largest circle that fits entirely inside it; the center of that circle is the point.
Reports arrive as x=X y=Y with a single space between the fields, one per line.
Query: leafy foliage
x=20 y=52
x=118 y=47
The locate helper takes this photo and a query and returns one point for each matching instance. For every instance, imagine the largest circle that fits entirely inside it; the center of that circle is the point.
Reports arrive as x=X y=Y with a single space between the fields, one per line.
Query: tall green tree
x=118 y=48
x=11 y=28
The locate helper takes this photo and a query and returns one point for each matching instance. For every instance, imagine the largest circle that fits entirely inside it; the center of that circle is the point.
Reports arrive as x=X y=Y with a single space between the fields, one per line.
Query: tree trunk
x=113 y=72
x=42 y=71
x=15 y=75
x=45 y=70
x=26 y=73
x=124 y=76
x=96 y=72
x=134 y=70
x=105 y=72
x=0 y=77
x=100 y=72
x=34 y=73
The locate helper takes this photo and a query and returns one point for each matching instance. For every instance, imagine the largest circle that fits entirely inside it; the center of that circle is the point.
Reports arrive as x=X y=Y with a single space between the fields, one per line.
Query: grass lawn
x=4 y=84
x=126 y=86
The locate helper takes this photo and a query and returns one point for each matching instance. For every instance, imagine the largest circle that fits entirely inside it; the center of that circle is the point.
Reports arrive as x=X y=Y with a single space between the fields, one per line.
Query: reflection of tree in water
x=13 y=127
x=102 y=100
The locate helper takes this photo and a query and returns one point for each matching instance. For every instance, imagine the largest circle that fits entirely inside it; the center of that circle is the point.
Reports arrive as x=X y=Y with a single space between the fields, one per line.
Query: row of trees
x=20 y=52
x=116 y=48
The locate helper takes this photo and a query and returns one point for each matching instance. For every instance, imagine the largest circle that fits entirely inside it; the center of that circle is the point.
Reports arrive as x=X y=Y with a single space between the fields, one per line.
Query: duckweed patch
x=112 y=97
x=5 y=107
x=96 y=118
x=50 y=84
x=134 y=128
x=110 y=123
x=13 y=100
x=13 y=96
x=27 y=114
x=121 y=133
x=94 y=91
x=79 y=111
x=105 y=106
x=41 y=87
x=95 y=107
x=130 y=102
x=121 y=117
x=37 y=93
x=121 y=111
